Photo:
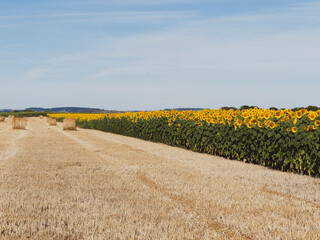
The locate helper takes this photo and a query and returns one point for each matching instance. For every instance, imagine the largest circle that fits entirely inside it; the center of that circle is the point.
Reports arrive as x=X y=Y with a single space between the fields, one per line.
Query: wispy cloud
x=123 y=15
x=37 y=73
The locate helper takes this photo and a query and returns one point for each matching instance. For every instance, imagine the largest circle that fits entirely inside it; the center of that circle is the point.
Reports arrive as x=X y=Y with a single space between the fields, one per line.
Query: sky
x=149 y=55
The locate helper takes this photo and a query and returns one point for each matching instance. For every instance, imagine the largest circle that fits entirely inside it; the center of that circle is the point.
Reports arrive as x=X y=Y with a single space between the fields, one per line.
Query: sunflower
x=285 y=119
x=303 y=111
x=317 y=122
x=312 y=115
x=267 y=115
x=244 y=114
x=278 y=114
x=294 y=129
x=288 y=129
x=246 y=121
x=253 y=121
x=259 y=124
x=314 y=127
x=272 y=125
x=298 y=114
x=309 y=128
x=294 y=120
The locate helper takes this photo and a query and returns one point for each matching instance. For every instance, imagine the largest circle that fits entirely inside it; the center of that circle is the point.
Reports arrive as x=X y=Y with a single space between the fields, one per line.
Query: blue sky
x=147 y=54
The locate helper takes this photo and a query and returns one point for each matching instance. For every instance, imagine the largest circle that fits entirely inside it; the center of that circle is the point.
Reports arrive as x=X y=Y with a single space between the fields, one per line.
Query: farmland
x=88 y=184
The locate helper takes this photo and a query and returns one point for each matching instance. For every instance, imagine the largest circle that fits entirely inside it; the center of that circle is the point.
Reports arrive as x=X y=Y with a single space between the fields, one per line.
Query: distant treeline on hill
x=97 y=110
x=63 y=110
x=309 y=108
x=72 y=110
x=23 y=114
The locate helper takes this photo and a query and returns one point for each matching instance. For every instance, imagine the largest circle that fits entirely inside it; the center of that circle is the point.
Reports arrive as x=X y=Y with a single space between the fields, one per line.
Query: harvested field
x=87 y=184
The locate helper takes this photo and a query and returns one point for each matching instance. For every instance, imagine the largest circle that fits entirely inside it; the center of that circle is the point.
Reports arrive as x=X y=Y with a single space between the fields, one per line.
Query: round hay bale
x=52 y=121
x=2 y=119
x=19 y=123
x=69 y=124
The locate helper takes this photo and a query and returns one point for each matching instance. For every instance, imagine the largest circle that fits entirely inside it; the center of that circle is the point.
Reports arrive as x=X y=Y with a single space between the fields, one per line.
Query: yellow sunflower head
x=294 y=120
x=272 y=125
x=254 y=121
x=298 y=114
x=303 y=111
x=267 y=115
x=294 y=129
x=244 y=114
x=312 y=115
x=309 y=128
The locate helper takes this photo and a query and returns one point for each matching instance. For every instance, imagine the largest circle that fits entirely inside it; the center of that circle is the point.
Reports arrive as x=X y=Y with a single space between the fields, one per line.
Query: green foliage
x=23 y=114
x=247 y=107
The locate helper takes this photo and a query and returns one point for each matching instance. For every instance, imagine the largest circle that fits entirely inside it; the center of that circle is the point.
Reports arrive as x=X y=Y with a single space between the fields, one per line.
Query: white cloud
x=37 y=73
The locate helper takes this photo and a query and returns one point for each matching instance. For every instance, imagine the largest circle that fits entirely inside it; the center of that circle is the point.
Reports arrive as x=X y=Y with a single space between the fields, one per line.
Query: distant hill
x=63 y=110
x=85 y=110
x=71 y=110
x=6 y=110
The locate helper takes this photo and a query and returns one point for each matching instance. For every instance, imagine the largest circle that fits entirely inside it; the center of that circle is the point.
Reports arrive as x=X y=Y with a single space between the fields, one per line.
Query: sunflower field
x=280 y=139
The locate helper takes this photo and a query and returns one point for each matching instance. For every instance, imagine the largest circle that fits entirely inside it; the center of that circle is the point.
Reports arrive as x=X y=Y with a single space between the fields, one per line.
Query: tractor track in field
x=87 y=184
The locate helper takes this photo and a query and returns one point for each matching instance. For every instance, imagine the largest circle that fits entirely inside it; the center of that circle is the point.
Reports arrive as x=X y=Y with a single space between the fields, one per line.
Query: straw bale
x=18 y=123
x=41 y=116
x=11 y=116
x=2 y=119
x=52 y=121
x=69 y=124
